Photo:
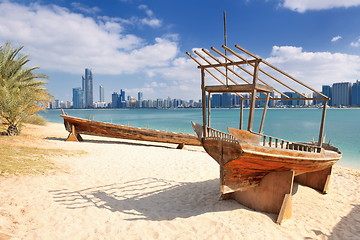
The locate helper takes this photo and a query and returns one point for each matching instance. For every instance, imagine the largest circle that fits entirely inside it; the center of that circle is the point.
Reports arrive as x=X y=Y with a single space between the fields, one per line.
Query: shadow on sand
x=151 y=199
x=347 y=228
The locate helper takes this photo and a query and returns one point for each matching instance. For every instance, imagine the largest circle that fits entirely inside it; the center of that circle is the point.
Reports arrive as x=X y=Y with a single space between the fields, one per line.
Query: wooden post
x=203 y=99
x=253 y=97
x=322 y=125
x=264 y=113
x=74 y=136
x=241 y=113
x=209 y=108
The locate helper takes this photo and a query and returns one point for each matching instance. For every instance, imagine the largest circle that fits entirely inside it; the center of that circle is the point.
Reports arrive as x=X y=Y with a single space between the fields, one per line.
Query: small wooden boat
x=76 y=126
x=255 y=169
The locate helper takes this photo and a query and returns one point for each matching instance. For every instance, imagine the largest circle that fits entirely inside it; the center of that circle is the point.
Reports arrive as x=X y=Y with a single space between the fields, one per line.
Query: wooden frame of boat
x=76 y=126
x=255 y=169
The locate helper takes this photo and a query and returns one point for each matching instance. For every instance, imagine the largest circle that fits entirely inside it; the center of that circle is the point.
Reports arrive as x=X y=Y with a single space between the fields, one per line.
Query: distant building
x=286 y=102
x=88 y=88
x=355 y=94
x=101 y=94
x=326 y=90
x=78 y=98
x=341 y=94
x=115 y=100
x=226 y=100
x=216 y=100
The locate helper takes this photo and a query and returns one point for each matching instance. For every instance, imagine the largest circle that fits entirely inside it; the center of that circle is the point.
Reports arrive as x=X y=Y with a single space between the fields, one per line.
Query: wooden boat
x=255 y=169
x=76 y=126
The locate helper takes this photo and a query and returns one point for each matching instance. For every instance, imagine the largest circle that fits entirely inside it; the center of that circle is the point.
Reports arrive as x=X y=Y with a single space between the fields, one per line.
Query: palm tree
x=22 y=92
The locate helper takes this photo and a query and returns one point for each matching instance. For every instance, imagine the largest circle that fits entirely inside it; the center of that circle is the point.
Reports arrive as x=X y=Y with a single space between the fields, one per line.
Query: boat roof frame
x=211 y=62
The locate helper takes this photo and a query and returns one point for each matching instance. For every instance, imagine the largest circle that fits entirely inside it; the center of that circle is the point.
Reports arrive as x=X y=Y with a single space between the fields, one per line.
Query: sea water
x=342 y=126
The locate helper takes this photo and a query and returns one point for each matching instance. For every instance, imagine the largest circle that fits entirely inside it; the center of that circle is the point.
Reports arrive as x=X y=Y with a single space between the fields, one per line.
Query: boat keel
x=319 y=180
x=74 y=136
x=273 y=195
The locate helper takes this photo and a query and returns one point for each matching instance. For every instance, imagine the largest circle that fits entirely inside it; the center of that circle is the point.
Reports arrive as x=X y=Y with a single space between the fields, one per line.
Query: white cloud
x=306 y=5
x=58 y=39
x=151 y=20
x=337 y=38
x=316 y=68
x=85 y=9
x=355 y=43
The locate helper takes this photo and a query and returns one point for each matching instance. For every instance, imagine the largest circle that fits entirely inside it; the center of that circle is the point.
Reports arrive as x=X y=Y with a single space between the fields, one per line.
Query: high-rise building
x=226 y=100
x=114 y=100
x=326 y=90
x=78 y=98
x=101 y=94
x=216 y=100
x=88 y=88
x=341 y=94
x=355 y=94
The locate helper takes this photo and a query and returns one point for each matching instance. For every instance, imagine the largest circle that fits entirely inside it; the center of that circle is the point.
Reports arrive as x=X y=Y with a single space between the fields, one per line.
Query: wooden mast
x=203 y=100
x=322 y=124
x=253 y=97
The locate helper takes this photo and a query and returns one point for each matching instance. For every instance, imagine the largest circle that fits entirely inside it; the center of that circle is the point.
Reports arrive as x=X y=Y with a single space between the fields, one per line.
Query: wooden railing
x=268 y=141
x=210 y=132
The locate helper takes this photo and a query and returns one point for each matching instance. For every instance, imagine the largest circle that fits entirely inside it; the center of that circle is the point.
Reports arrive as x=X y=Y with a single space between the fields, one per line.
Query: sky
x=140 y=45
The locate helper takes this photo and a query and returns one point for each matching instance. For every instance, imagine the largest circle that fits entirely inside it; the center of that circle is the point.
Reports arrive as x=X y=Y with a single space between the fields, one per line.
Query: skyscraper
x=341 y=94
x=78 y=98
x=114 y=100
x=140 y=99
x=101 y=94
x=88 y=88
x=355 y=94
x=326 y=90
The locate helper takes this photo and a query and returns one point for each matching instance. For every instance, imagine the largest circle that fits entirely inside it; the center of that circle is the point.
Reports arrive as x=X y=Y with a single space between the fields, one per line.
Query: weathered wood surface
x=244 y=162
x=272 y=195
x=89 y=127
x=319 y=180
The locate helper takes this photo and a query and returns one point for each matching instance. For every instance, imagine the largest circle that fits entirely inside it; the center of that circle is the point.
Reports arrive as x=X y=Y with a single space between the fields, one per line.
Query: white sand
x=121 y=189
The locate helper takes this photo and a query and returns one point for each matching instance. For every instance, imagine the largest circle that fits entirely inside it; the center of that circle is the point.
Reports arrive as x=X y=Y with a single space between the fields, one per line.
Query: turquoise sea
x=342 y=126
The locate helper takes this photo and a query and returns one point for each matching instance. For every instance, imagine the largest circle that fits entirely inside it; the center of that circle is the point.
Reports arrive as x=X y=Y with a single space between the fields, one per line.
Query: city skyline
x=340 y=94
x=141 y=45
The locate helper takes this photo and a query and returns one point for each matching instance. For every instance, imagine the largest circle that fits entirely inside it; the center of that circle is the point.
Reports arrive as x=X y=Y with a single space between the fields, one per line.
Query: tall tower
x=78 y=98
x=341 y=94
x=88 y=88
x=101 y=93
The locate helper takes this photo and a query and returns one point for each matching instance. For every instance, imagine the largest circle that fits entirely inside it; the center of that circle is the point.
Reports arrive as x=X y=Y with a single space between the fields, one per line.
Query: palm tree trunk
x=12 y=130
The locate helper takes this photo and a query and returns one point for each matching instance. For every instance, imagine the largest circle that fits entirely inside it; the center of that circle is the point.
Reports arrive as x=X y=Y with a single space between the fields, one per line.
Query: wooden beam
x=264 y=113
x=227 y=64
x=264 y=72
x=322 y=125
x=246 y=71
x=217 y=69
x=203 y=99
x=253 y=98
x=232 y=71
x=282 y=72
x=238 y=88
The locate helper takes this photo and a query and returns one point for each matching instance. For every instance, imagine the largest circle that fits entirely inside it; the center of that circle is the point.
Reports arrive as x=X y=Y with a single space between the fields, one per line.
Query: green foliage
x=22 y=92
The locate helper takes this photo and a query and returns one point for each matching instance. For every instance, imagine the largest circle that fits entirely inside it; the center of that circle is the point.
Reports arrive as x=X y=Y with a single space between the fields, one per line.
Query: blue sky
x=140 y=45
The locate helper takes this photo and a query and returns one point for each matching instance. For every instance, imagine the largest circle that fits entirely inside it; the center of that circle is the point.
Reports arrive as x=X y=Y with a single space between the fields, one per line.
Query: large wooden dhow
x=76 y=126
x=255 y=169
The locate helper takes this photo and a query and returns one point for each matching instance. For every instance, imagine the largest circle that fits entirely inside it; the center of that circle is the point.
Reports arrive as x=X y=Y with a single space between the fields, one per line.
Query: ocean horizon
x=341 y=127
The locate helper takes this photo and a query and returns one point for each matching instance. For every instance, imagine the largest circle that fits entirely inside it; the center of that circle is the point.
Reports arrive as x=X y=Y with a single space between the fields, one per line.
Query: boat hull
x=78 y=126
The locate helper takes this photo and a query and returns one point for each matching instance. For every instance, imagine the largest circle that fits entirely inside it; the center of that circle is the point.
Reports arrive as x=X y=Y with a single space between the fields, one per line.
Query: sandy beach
x=106 y=188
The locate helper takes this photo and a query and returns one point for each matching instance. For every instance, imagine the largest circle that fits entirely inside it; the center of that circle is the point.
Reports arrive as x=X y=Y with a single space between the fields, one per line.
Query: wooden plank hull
x=78 y=126
x=244 y=162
